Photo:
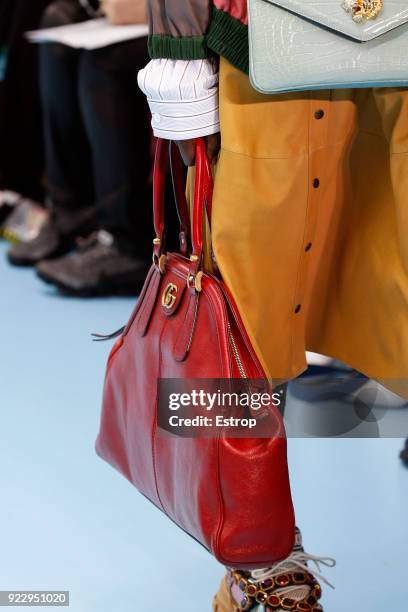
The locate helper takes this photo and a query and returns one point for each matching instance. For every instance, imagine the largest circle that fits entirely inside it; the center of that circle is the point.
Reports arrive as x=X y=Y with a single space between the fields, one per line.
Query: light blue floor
x=69 y=522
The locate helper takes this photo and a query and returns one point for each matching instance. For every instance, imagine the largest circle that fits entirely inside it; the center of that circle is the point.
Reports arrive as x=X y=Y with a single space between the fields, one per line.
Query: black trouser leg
x=21 y=144
x=116 y=117
x=68 y=163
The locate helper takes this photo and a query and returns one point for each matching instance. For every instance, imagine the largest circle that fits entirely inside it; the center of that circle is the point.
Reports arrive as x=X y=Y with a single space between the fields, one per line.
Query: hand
x=125 y=12
x=188 y=149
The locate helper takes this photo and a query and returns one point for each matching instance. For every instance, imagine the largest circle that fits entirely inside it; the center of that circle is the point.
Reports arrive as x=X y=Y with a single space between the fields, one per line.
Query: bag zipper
x=236 y=353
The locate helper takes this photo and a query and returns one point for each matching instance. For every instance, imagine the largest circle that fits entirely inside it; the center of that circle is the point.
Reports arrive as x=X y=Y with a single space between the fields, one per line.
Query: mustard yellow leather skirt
x=310 y=224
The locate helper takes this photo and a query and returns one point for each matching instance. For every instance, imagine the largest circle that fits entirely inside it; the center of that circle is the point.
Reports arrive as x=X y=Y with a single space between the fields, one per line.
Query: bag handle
x=203 y=191
x=179 y=189
x=160 y=167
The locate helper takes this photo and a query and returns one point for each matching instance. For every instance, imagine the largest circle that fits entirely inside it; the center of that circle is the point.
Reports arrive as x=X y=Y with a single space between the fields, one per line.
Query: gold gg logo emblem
x=169 y=296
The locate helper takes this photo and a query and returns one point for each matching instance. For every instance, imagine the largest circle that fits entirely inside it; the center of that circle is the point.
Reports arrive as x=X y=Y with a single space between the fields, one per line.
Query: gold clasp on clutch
x=363 y=10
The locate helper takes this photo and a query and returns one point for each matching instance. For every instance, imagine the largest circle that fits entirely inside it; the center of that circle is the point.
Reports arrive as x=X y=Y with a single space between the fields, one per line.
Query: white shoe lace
x=297 y=561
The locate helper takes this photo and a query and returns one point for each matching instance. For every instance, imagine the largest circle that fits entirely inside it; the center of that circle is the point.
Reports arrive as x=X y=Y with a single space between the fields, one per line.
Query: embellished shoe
x=290 y=584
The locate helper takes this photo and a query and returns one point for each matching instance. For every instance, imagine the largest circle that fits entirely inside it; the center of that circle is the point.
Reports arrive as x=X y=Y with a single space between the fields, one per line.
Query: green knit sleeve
x=178 y=28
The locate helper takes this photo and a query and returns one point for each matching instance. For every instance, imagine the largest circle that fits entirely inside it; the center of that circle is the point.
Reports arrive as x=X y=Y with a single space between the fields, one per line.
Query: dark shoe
x=404 y=454
x=52 y=241
x=49 y=243
x=97 y=267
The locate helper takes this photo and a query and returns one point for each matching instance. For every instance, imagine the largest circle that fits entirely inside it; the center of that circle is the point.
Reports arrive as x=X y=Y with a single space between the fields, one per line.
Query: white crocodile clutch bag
x=297 y=45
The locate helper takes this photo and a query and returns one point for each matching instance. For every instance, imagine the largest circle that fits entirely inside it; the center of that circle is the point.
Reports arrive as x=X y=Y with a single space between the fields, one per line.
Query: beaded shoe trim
x=264 y=592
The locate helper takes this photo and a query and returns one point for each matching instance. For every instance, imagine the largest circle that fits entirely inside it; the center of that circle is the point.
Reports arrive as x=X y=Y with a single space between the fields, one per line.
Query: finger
x=106 y=7
x=187 y=150
x=213 y=147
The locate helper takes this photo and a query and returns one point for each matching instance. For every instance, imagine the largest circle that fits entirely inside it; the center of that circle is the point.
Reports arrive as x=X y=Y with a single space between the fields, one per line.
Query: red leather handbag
x=230 y=494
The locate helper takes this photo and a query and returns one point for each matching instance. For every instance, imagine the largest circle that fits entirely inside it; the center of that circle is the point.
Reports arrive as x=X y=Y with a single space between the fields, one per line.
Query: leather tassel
x=105 y=338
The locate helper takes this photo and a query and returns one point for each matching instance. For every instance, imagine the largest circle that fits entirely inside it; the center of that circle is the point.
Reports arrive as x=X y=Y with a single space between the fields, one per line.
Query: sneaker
x=24 y=221
x=97 y=267
x=289 y=585
x=8 y=201
x=50 y=242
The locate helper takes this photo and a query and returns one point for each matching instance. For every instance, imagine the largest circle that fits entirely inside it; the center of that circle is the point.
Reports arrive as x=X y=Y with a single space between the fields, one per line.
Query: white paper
x=92 y=34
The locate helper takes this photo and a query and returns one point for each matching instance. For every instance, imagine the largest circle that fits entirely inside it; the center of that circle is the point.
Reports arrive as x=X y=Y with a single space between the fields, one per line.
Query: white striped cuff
x=183 y=97
x=183 y=119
